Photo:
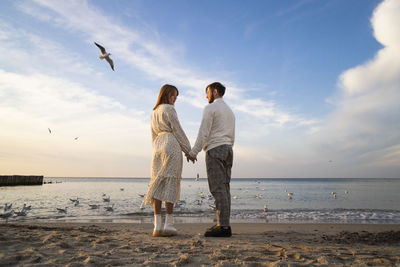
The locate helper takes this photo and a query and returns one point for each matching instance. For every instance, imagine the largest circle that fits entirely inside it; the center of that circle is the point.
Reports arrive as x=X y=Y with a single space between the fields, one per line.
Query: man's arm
x=204 y=132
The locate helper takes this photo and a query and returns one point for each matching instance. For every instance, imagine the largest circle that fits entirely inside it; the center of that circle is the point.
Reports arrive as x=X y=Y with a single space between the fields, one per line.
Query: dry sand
x=99 y=244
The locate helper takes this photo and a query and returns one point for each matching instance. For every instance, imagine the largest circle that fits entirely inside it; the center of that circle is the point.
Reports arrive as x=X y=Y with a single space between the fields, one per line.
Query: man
x=216 y=136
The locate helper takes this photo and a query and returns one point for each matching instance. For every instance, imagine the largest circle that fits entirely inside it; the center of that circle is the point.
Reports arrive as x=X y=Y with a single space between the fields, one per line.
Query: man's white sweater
x=217 y=127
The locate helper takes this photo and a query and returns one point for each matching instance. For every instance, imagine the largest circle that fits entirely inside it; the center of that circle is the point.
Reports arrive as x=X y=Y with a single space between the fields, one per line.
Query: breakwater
x=10 y=180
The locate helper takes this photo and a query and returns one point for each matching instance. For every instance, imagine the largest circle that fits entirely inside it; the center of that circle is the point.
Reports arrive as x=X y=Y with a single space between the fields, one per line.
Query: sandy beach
x=87 y=244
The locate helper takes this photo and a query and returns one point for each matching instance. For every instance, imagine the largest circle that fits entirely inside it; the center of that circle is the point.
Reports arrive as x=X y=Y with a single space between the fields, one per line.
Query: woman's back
x=160 y=118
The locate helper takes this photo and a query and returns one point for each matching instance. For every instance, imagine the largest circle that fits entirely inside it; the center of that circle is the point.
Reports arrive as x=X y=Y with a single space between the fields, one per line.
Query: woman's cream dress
x=168 y=140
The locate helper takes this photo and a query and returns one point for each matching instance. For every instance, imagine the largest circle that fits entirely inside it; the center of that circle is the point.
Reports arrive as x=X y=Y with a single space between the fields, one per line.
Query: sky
x=314 y=84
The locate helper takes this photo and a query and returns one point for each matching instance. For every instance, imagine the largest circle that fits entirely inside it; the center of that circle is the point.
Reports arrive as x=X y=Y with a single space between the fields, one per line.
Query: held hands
x=192 y=159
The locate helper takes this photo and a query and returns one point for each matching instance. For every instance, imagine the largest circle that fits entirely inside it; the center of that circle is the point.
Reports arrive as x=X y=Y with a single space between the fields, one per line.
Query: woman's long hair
x=165 y=92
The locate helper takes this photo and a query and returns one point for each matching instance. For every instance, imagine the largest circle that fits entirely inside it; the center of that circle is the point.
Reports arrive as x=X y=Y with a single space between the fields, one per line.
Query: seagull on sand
x=105 y=55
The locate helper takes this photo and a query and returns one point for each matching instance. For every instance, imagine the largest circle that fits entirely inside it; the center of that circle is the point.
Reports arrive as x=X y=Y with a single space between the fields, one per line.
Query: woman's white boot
x=157 y=225
x=169 y=229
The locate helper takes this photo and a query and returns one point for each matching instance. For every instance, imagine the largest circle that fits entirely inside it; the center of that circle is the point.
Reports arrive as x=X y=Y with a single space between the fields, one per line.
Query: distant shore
x=252 y=244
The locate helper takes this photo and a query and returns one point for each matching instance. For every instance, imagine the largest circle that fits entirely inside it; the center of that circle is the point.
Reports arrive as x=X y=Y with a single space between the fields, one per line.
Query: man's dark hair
x=220 y=88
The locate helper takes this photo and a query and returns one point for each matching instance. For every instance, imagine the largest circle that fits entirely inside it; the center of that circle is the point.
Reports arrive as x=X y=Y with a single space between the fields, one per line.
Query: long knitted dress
x=168 y=141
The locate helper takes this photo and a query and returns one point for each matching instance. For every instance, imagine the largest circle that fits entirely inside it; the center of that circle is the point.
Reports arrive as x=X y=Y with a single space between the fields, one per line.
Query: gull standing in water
x=62 y=210
x=108 y=208
x=7 y=207
x=7 y=215
x=23 y=212
x=105 y=55
x=25 y=207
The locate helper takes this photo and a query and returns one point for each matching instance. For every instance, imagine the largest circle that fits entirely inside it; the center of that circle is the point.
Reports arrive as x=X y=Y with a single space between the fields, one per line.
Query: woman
x=168 y=141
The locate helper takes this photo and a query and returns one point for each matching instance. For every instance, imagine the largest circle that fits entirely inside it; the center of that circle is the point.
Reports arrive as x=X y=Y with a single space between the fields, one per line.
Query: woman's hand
x=192 y=159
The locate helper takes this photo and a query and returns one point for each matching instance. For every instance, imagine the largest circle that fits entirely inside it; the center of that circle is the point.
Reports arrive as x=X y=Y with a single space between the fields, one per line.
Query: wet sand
x=102 y=244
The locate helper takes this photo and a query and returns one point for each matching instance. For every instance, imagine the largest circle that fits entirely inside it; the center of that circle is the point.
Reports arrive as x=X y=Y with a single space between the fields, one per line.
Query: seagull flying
x=105 y=55
x=49 y=130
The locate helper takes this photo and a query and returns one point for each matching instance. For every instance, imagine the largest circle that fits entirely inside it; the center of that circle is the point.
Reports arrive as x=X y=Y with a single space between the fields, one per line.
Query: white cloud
x=145 y=52
x=29 y=52
x=365 y=127
x=112 y=136
x=106 y=129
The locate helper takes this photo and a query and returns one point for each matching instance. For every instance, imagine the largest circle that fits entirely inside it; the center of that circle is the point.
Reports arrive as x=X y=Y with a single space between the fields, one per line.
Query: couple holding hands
x=216 y=136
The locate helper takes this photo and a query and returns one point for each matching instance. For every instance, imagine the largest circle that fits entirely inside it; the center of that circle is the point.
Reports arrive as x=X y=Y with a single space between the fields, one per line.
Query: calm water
x=357 y=200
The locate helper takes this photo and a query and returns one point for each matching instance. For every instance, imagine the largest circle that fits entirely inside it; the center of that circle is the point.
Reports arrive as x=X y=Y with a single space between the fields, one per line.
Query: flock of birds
x=289 y=195
x=9 y=212
x=200 y=200
x=76 y=203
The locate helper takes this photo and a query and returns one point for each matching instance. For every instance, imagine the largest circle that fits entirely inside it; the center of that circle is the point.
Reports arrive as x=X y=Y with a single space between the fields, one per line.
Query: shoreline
x=256 y=244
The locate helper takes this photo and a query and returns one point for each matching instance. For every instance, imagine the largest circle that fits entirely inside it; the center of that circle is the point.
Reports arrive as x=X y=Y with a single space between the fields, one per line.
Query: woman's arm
x=178 y=131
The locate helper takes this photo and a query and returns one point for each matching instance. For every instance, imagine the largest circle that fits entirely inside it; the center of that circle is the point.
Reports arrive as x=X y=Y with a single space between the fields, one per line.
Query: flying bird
x=49 y=130
x=76 y=138
x=105 y=55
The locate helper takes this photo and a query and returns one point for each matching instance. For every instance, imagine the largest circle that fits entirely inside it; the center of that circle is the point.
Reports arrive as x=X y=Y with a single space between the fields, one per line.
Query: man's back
x=223 y=125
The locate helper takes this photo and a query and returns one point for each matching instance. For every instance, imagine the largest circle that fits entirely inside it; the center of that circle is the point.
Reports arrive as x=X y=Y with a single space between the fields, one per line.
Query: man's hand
x=192 y=159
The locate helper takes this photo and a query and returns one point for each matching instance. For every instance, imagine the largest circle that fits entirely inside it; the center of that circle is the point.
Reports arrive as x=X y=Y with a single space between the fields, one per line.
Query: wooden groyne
x=10 y=180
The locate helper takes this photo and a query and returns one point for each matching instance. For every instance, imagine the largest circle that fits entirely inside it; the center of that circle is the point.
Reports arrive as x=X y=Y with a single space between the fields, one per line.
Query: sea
x=333 y=200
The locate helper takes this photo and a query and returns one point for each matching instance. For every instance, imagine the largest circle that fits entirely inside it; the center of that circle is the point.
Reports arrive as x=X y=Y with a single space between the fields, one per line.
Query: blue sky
x=314 y=84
